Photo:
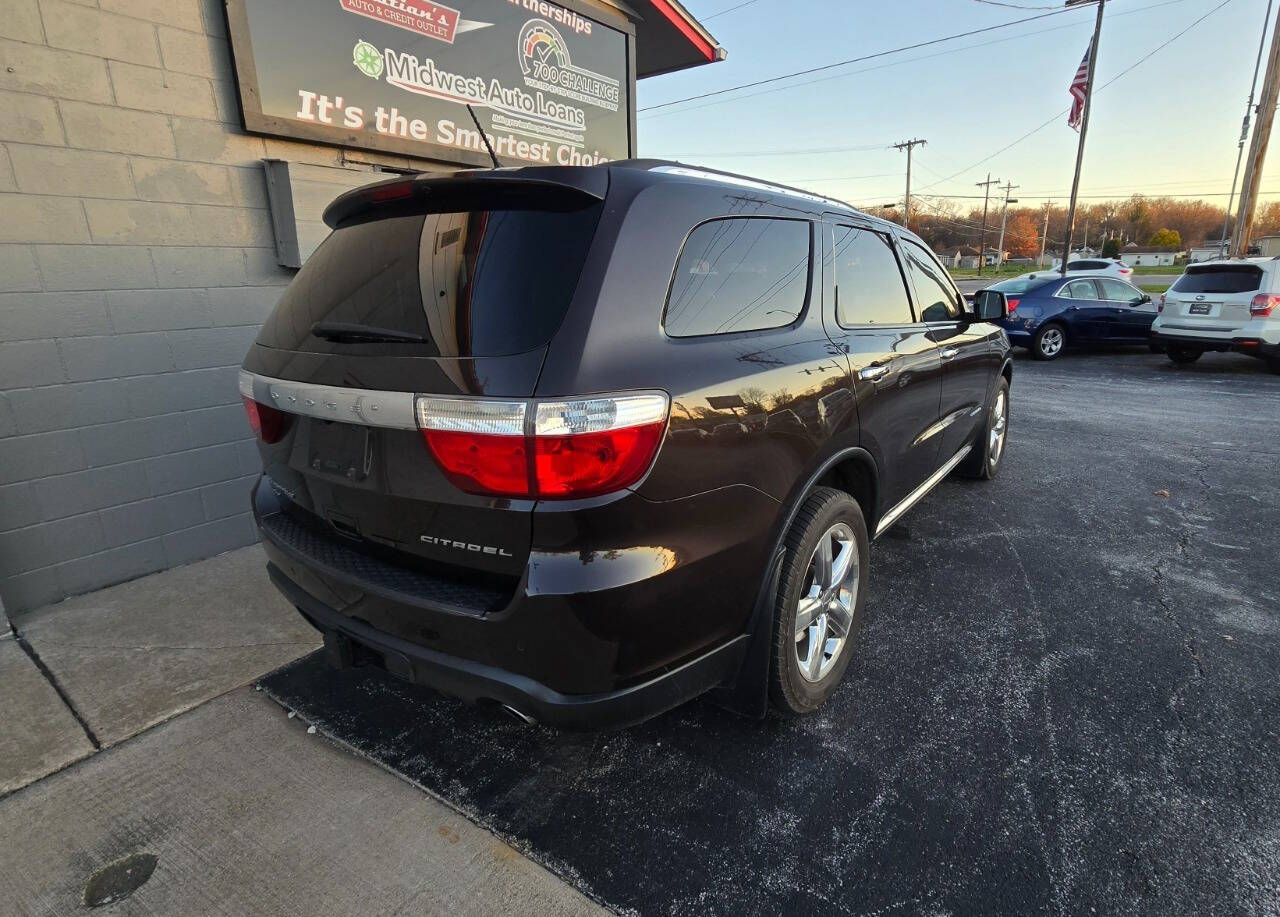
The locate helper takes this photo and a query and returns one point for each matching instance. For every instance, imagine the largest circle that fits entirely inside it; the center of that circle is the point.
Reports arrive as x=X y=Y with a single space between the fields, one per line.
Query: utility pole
x=986 y=196
x=1004 y=215
x=1244 y=132
x=1084 y=128
x=1044 y=235
x=1258 y=149
x=908 y=145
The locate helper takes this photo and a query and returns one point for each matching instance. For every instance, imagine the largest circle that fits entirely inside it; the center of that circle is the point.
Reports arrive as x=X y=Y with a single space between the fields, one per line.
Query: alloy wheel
x=1051 y=342
x=824 y=613
x=999 y=427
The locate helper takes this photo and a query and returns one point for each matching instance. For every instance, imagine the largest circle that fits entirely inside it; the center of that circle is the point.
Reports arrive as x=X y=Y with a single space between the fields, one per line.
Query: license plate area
x=342 y=450
x=1200 y=308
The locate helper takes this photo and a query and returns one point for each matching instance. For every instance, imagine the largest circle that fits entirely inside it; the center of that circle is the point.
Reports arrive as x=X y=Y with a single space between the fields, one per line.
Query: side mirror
x=990 y=306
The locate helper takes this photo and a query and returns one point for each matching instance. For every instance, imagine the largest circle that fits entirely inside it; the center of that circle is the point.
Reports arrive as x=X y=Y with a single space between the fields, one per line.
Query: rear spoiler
x=530 y=188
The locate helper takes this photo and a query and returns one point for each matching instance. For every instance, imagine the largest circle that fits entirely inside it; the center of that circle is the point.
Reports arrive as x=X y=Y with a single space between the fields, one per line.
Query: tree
x=1111 y=248
x=1021 y=236
x=1167 y=237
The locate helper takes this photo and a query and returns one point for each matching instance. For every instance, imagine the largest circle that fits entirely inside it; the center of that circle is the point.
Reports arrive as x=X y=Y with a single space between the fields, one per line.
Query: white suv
x=1222 y=305
x=1091 y=267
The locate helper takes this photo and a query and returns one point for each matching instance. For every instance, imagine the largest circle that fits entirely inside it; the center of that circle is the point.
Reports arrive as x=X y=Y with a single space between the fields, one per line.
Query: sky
x=1168 y=127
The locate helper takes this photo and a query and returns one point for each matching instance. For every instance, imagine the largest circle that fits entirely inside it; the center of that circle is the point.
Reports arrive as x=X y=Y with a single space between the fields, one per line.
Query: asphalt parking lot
x=1065 y=698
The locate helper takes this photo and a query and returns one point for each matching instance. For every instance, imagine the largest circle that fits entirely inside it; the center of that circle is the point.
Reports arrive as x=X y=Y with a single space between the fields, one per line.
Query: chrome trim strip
x=392 y=410
x=939 y=425
x=918 y=494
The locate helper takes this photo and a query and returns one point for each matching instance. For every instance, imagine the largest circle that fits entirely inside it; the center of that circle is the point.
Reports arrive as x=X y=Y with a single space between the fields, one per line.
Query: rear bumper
x=1253 y=346
x=589 y=638
x=477 y=683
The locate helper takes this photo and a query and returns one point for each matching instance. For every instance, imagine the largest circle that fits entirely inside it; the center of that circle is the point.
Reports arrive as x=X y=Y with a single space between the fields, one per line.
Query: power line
x=855 y=60
x=909 y=60
x=729 y=10
x=826 y=149
x=1123 y=72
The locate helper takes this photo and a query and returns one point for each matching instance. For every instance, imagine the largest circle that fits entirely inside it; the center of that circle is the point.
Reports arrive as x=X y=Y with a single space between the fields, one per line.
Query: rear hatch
x=398 y=301
x=1212 y=298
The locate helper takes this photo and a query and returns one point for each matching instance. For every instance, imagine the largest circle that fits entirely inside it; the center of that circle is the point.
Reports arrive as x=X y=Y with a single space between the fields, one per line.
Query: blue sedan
x=1048 y=313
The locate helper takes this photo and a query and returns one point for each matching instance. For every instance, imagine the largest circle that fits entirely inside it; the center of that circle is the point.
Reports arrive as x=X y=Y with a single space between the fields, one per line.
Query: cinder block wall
x=136 y=262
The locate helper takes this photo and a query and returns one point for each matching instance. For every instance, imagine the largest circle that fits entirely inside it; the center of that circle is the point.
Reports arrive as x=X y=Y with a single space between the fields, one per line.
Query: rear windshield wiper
x=353 y=333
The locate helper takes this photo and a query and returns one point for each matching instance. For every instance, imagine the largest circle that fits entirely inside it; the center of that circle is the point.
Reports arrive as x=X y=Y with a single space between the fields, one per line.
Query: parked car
x=584 y=443
x=1047 y=312
x=1089 y=267
x=1224 y=306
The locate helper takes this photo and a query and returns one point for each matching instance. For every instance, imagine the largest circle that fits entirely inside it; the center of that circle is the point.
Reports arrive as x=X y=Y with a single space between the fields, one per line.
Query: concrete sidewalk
x=131 y=727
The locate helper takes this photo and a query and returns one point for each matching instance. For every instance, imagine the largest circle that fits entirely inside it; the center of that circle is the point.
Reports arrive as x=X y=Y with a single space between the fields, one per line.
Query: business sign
x=548 y=84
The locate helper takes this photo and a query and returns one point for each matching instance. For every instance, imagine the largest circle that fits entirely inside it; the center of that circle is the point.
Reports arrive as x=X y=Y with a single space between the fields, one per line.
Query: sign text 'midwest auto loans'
x=548 y=84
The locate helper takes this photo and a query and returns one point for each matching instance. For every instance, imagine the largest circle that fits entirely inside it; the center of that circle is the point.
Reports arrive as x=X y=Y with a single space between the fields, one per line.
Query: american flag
x=1077 y=89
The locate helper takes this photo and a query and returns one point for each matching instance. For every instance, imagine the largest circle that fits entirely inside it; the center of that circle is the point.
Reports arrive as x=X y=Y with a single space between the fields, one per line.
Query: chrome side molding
x=918 y=494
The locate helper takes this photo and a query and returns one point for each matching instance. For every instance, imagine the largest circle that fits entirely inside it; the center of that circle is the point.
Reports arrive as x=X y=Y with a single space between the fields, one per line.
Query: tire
x=1183 y=355
x=798 y=686
x=1049 y=342
x=1273 y=364
x=984 y=459
x=1155 y=347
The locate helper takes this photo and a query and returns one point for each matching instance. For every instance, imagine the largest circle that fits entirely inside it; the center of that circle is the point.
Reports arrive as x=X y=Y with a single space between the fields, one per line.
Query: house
x=1136 y=255
x=963 y=256
x=1210 y=251
x=1268 y=246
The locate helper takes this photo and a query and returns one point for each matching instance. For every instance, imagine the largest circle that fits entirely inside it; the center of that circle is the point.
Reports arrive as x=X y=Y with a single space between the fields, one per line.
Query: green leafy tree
x=1111 y=248
x=1167 y=237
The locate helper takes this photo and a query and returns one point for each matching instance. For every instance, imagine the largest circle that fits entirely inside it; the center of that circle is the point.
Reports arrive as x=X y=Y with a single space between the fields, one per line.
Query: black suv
x=588 y=442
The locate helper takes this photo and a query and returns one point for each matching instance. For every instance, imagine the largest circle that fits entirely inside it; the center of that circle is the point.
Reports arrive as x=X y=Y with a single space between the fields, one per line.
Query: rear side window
x=739 y=274
x=869 y=285
x=1087 y=265
x=1223 y=278
x=479 y=283
x=1080 y=289
x=938 y=300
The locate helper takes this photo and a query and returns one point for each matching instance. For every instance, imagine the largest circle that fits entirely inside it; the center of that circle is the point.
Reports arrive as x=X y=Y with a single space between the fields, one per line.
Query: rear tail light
x=1013 y=306
x=543 y=449
x=1262 y=305
x=268 y=423
x=1160 y=304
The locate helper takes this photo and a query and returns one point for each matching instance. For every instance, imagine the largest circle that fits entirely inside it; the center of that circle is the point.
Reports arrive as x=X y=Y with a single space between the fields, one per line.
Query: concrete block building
x=155 y=203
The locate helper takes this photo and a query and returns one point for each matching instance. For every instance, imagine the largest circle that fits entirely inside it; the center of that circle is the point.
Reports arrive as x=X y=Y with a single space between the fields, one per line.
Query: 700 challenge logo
x=544 y=61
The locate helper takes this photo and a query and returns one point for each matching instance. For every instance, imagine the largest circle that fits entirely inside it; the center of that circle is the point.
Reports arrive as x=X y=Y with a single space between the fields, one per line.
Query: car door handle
x=950 y=352
x=873 y=372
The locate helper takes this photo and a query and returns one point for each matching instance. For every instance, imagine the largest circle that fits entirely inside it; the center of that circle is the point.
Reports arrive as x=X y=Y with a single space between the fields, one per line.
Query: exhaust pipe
x=519 y=715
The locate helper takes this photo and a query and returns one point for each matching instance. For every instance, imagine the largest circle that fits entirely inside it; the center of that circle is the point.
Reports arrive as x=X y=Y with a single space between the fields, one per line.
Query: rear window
x=1222 y=278
x=1021 y=284
x=739 y=274
x=475 y=284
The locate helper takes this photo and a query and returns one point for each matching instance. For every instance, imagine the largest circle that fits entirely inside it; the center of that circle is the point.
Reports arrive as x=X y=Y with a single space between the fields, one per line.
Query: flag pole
x=1084 y=127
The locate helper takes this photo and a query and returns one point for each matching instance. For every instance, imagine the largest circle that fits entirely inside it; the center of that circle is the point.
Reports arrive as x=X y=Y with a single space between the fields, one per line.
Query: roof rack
x=731 y=178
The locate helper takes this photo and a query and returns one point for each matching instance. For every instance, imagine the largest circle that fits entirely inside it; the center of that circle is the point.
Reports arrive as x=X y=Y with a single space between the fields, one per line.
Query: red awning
x=668 y=38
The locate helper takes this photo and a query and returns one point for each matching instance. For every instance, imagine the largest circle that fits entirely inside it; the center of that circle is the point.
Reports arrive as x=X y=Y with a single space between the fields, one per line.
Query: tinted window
x=1087 y=265
x=937 y=298
x=1224 y=278
x=1080 y=289
x=740 y=274
x=869 y=284
x=1118 y=290
x=483 y=283
x=1020 y=284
